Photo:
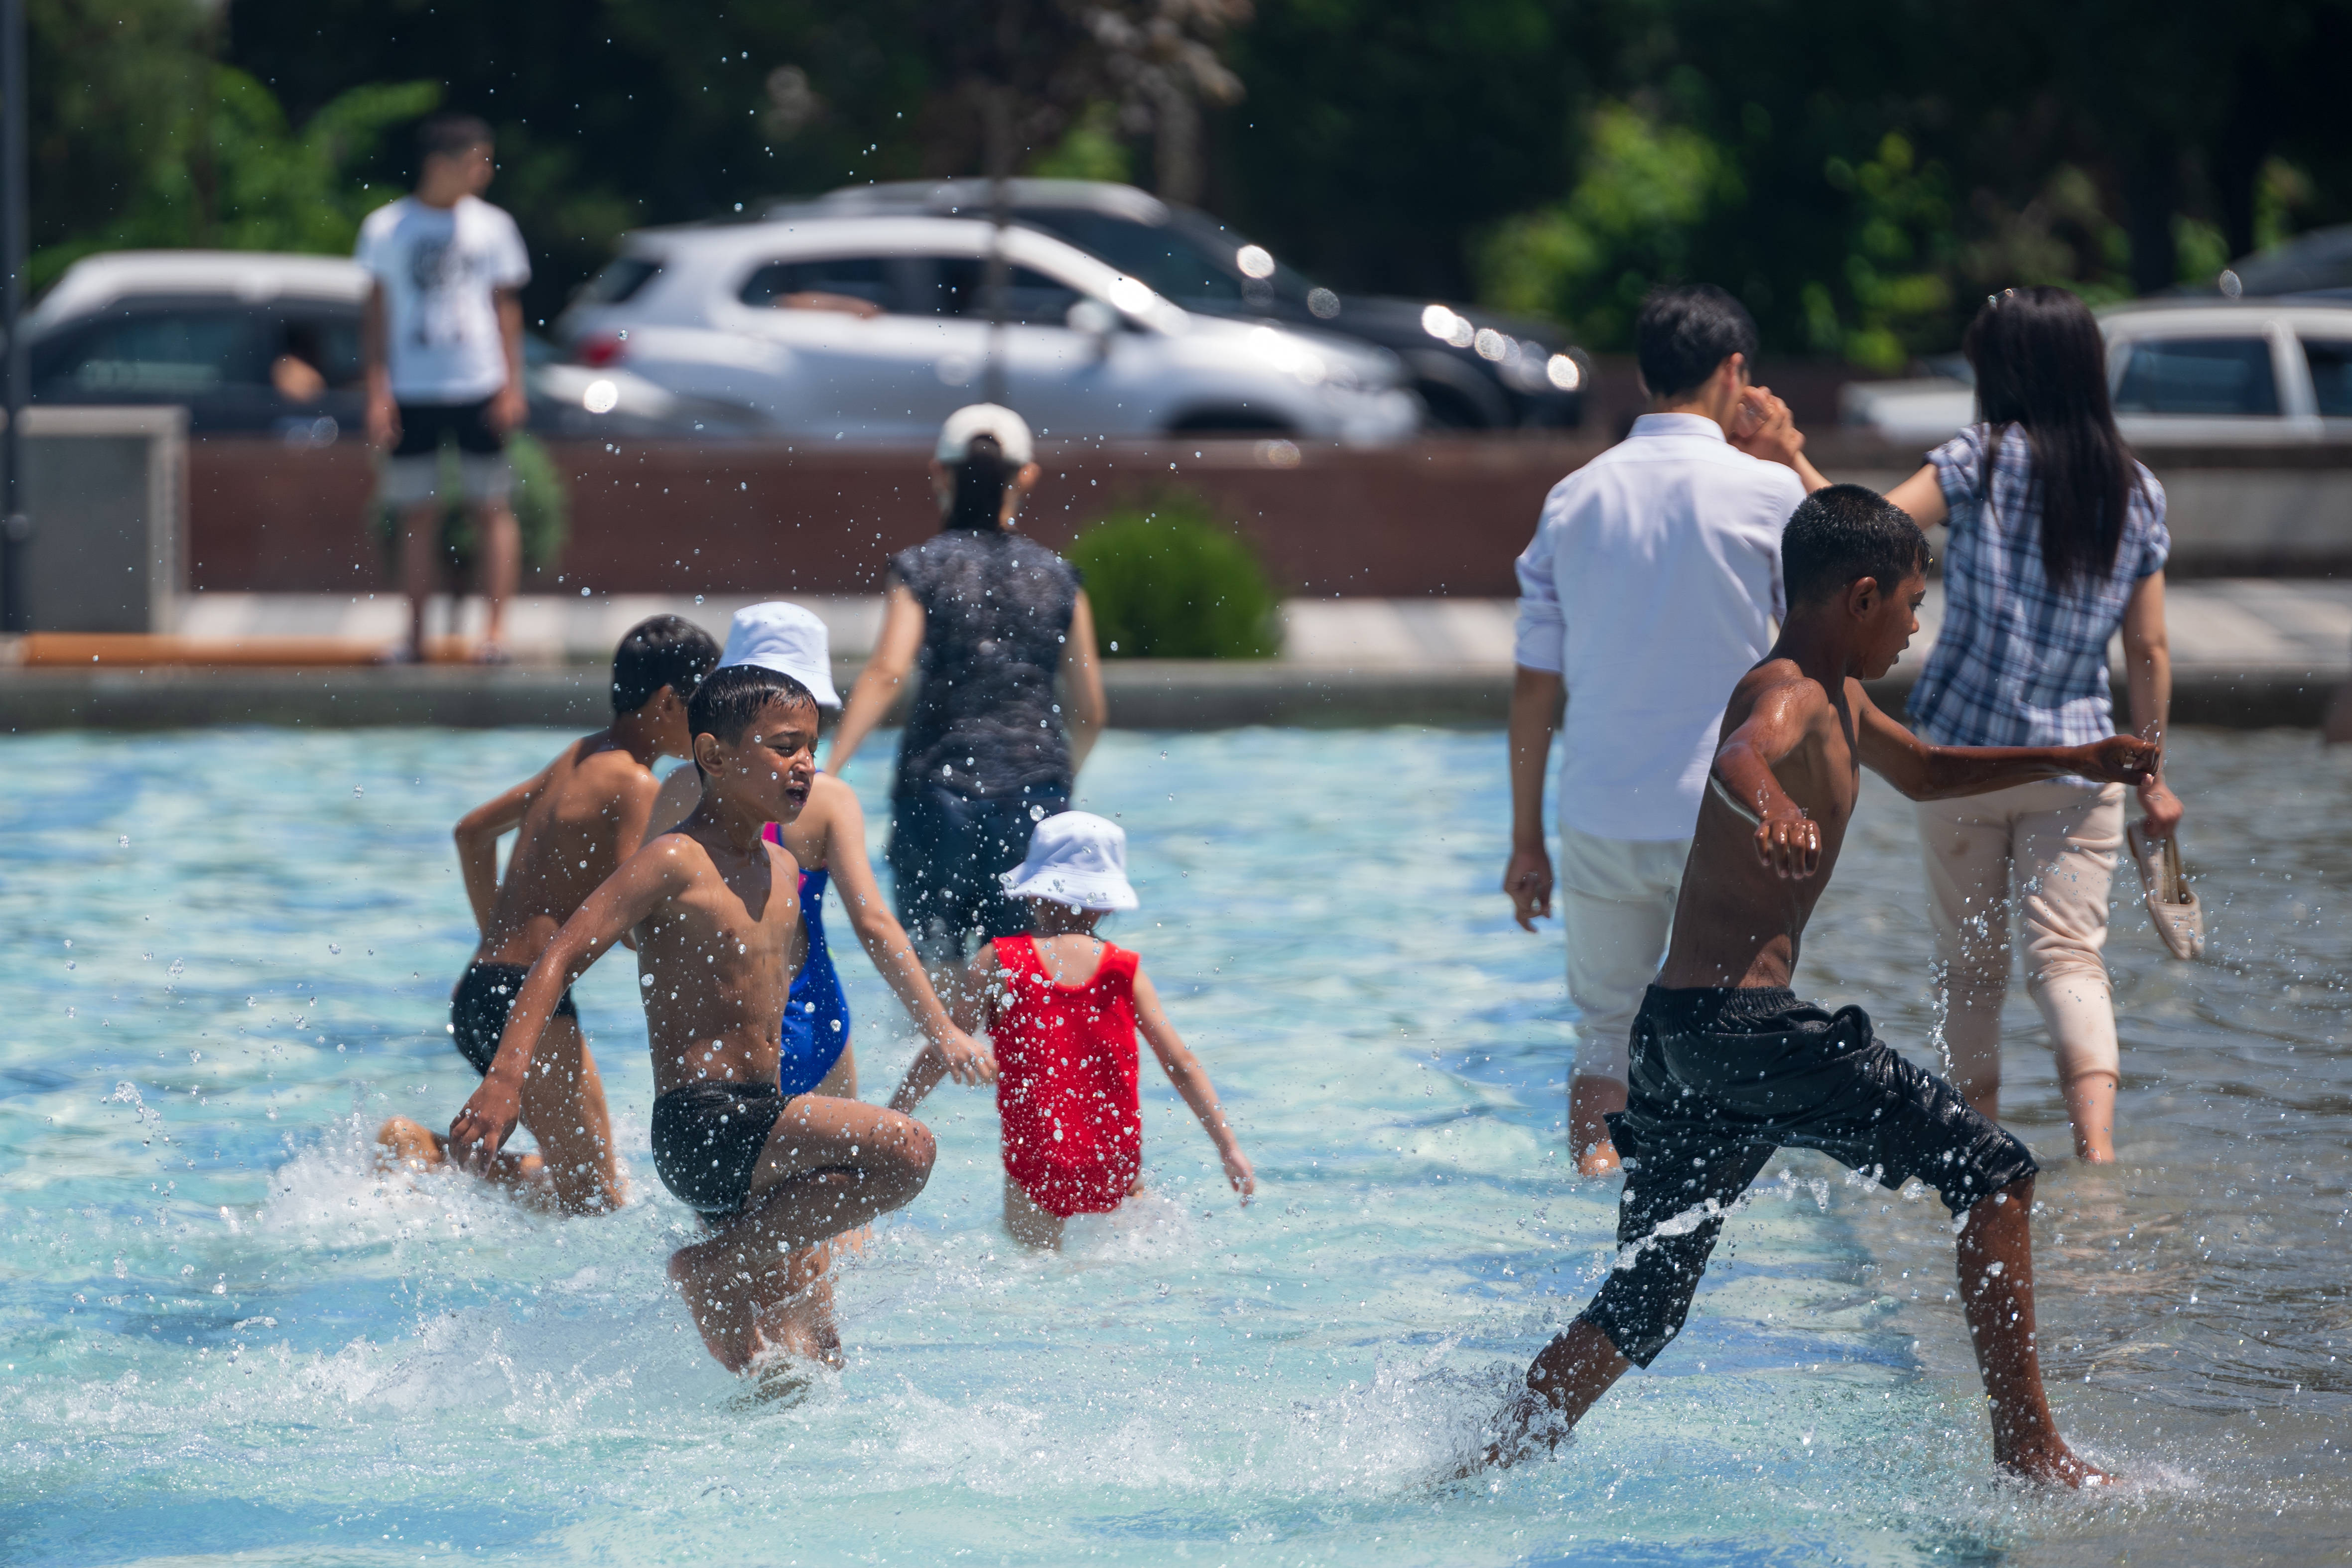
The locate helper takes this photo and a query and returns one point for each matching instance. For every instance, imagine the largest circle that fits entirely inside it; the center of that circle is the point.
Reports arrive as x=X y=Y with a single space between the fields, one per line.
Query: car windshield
x=2197 y=375
x=623 y=278
x=1174 y=263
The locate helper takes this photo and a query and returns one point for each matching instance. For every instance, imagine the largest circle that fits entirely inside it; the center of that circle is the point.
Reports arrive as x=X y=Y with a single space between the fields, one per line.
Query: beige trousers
x=2047 y=851
x=1617 y=901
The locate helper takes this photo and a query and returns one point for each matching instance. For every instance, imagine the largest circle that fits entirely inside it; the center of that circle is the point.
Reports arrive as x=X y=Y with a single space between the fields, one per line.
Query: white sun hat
x=787 y=640
x=1077 y=858
x=1011 y=433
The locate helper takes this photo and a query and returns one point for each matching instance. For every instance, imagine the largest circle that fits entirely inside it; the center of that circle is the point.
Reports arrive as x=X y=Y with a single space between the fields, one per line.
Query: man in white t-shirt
x=1651 y=587
x=443 y=346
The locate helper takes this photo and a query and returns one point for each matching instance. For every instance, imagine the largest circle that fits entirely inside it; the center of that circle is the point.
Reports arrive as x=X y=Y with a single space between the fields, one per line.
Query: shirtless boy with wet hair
x=574 y=822
x=714 y=909
x=1728 y=1065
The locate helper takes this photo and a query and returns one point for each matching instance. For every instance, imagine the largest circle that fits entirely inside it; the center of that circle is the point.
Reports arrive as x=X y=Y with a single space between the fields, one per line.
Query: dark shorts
x=425 y=427
x=478 y=1012
x=707 y=1141
x=1719 y=1080
x=947 y=851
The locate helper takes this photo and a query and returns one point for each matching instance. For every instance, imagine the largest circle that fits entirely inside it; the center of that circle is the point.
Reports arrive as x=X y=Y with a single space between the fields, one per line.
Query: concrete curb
x=1144 y=695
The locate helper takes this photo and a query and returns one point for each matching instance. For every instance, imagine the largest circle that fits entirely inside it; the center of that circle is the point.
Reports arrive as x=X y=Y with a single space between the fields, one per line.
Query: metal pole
x=15 y=526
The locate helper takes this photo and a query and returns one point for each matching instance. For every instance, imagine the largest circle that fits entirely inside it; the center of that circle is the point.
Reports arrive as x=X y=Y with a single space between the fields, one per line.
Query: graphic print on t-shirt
x=440 y=270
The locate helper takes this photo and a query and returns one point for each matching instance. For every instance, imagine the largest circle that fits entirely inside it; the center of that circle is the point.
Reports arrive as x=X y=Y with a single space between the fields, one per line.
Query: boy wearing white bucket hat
x=828 y=842
x=1064 y=1007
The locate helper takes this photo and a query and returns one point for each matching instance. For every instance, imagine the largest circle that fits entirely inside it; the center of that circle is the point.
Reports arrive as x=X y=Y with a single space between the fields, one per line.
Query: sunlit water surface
x=222 y=1334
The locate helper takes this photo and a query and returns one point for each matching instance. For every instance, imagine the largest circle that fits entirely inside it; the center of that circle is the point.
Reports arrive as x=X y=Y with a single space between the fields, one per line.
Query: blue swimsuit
x=817 y=1013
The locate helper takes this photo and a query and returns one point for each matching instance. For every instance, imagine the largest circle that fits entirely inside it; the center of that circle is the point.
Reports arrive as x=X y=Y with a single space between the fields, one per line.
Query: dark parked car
x=1473 y=369
x=256 y=343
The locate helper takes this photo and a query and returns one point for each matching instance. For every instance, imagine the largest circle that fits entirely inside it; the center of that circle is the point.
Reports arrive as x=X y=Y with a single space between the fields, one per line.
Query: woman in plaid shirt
x=2057 y=542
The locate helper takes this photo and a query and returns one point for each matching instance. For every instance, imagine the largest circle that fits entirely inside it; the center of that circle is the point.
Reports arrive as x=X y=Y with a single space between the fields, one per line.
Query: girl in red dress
x=1063 y=1008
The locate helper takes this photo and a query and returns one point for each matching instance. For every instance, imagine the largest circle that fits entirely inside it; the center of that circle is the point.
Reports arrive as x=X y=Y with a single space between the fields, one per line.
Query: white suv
x=2182 y=370
x=876 y=329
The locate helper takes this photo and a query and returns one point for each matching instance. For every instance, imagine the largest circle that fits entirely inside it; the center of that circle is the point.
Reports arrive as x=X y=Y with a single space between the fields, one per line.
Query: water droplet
x=124 y=842
x=332 y=947
x=359 y=790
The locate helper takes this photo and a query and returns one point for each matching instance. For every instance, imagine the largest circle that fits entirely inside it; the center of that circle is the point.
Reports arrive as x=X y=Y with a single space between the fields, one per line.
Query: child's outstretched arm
x=478 y=834
x=1940 y=772
x=1192 y=1080
x=487 y=1118
x=884 y=941
x=975 y=1010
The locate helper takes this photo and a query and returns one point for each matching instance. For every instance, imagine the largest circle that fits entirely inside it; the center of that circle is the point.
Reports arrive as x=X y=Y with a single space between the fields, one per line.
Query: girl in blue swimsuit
x=816 y=1015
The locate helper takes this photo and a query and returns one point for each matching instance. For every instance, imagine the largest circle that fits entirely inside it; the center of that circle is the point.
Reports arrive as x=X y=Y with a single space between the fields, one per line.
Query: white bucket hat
x=1077 y=858
x=1011 y=433
x=787 y=640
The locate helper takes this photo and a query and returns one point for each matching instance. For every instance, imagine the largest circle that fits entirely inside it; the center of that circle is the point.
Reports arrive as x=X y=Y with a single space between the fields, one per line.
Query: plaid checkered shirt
x=2020 y=663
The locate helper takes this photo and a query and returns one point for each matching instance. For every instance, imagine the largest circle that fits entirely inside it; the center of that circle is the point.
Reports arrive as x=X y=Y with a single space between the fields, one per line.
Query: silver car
x=2205 y=371
x=876 y=329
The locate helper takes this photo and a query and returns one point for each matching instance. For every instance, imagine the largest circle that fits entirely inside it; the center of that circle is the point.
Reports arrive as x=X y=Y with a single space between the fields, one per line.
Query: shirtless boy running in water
x=574 y=821
x=1729 y=1066
x=715 y=910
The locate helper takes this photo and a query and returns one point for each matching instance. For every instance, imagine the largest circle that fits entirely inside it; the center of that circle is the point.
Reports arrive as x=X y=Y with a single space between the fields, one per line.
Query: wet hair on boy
x=661 y=650
x=1845 y=532
x=729 y=700
x=1684 y=332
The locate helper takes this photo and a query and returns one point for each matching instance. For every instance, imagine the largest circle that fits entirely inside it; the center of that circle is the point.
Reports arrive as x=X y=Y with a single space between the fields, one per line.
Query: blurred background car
x=258 y=342
x=2209 y=370
x=876 y=329
x=1473 y=369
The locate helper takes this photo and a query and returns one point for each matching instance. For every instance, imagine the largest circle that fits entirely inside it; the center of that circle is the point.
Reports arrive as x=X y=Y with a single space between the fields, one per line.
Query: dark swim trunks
x=1719 y=1080
x=707 y=1141
x=478 y=1012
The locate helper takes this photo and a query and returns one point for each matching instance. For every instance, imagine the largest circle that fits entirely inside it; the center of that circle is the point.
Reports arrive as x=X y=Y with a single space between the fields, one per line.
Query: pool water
x=223 y=1335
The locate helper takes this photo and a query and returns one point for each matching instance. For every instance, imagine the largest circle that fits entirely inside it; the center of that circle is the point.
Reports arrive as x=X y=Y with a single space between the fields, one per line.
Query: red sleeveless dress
x=1066 y=1081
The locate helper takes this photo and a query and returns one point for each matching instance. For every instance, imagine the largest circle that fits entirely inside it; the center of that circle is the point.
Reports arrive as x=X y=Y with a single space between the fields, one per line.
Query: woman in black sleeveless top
x=990 y=747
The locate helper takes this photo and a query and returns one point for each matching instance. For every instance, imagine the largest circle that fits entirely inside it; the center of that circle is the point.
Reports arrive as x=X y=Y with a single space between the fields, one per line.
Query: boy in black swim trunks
x=575 y=821
x=1727 y=1065
x=714 y=913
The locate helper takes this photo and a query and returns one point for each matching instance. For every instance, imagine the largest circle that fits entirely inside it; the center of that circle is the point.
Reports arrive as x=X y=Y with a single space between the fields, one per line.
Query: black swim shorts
x=1719 y=1080
x=478 y=1012
x=707 y=1138
x=424 y=427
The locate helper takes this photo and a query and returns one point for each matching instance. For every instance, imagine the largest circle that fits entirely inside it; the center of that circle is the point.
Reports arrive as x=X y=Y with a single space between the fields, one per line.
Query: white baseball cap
x=787 y=640
x=1011 y=433
x=1077 y=858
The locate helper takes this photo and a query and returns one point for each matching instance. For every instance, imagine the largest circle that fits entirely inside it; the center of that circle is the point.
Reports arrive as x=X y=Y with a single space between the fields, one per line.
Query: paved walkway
x=2228 y=623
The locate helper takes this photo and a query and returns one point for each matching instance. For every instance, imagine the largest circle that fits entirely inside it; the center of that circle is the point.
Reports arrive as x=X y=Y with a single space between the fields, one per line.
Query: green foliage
x=542 y=509
x=1090 y=150
x=1897 y=263
x=1168 y=580
x=1640 y=200
x=225 y=170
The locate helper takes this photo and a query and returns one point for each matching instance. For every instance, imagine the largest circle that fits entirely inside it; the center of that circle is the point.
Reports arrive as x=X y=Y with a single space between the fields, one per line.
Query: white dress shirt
x=1650 y=588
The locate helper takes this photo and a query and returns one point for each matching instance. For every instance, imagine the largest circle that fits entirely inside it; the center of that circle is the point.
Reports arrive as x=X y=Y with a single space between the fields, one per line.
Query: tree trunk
x=1176 y=145
x=2151 y=191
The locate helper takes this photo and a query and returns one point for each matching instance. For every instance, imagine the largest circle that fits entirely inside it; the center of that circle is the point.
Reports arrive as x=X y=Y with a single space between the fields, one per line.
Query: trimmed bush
x=542 y=510
x=1169 y=580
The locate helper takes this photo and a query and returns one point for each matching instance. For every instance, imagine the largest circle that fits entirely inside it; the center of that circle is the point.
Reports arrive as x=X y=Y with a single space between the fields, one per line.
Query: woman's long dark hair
x=2042 y=366
x=980 y=484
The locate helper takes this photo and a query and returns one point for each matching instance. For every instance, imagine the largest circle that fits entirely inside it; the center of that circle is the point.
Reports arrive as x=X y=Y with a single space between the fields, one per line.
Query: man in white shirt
x=1651 y=587
x=442 y=342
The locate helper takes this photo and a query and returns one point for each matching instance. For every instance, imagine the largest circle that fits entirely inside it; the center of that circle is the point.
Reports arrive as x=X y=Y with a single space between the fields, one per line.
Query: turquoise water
x=222 y=1335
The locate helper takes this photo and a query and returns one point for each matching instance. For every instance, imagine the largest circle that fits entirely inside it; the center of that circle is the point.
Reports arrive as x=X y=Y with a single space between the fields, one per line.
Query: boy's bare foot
x=403 y=1145
x=1599 y=1160
x=2051 y=1464
x=1531 y=1428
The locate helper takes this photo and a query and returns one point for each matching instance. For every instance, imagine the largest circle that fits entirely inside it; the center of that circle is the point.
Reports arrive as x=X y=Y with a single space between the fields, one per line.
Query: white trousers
x=1617 y=899
x=2046 y=852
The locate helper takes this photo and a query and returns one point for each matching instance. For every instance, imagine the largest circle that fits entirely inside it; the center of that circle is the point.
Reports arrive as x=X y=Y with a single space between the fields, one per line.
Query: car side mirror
x=1097 y=321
